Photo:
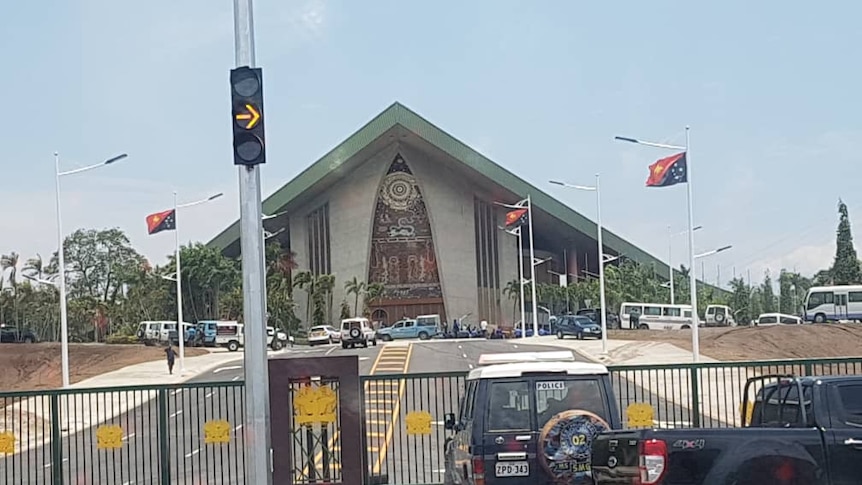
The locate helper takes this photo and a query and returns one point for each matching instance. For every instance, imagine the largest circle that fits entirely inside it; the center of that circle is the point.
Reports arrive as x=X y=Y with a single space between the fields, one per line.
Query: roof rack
x=521 y=357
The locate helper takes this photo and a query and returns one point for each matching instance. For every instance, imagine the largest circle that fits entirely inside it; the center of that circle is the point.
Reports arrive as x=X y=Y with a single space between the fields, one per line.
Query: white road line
x=178 y=391
x=464 y=355
x=230 y=367
x=237 y=427
x=189 y=455
x=177 y=413
x=236 y=378
x=128 y=436
x=209 y=395
x=363 y=358
x=460 y=346
x=470 y=365
x=515 y=345
x=330 y=350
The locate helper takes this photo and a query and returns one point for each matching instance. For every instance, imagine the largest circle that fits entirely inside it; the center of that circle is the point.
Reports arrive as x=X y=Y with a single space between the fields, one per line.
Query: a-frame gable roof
x=399 y=115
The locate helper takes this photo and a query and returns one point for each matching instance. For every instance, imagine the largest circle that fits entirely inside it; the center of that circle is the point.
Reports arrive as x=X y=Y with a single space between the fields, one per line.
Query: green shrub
x=122 y=339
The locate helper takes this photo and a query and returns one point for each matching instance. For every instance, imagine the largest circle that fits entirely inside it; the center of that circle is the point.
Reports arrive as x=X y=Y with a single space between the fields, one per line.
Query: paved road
x=391 y=451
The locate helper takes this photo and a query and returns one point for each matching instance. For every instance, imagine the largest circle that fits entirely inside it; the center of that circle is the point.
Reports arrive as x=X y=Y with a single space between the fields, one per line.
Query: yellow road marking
x=332 y=440
x=395 y=413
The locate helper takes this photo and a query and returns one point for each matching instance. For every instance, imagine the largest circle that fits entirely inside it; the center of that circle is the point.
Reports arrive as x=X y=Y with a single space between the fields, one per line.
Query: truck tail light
x=478 y=470
x=652 y=461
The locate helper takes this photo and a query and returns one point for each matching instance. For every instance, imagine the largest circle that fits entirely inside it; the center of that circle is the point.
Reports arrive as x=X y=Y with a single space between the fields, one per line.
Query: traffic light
x=246 y=88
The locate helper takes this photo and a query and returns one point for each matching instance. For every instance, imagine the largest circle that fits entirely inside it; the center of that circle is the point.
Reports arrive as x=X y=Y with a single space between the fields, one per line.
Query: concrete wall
x=351 y=208
x=449 y=200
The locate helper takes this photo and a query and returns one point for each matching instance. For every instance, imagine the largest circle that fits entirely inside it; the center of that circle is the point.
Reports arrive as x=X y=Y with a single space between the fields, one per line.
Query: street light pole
x=670 y=257
x=601 y=249
x=61 y=261
x=601 y=269
x=64 y=324
x=181 y=334
x=695 y=319
x=255 y=359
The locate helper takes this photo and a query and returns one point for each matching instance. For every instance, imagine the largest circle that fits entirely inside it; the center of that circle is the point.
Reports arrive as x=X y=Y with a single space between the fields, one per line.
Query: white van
x=357 y=331
x=153 y=332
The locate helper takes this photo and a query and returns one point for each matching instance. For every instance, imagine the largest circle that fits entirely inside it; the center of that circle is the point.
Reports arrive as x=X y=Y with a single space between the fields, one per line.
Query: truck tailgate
x=703 y=456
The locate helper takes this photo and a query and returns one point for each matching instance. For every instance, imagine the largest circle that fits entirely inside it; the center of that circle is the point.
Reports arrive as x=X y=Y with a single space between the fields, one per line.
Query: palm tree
x=325 y=284
x=304 y=280
x=513 y=292
x=373 y=292
x=356 y=288
x=35 y=266
x=9 y=266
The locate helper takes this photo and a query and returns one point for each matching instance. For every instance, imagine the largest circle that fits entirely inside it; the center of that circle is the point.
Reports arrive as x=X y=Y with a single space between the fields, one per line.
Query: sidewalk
x=718 y=388
x=30 y=418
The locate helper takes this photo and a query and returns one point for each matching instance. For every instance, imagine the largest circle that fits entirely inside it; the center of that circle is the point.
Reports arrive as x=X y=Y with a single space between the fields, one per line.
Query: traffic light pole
x=258 y=469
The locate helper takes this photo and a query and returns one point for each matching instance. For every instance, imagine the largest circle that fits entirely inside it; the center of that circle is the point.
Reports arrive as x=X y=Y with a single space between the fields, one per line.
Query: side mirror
x=449 y=422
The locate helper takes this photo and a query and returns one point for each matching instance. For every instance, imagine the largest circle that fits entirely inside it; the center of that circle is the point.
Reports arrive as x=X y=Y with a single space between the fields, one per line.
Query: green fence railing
x=186 y=433
x=192 y=433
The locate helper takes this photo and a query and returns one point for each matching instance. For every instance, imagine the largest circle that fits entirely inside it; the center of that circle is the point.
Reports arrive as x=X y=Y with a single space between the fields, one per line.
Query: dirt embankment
x=37 y=366
x=761 y=343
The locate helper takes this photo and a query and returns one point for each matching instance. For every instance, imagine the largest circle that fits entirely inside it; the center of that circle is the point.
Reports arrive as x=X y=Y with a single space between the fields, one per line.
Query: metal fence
x=709 y=394
x=192 y=433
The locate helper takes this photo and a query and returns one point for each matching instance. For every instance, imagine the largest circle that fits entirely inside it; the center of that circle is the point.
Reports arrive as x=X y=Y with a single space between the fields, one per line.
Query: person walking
x=169 y=351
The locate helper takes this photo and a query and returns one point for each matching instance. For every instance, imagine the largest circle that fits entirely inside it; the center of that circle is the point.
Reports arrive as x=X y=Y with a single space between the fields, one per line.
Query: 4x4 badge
x=499 y=440
x=612 y=462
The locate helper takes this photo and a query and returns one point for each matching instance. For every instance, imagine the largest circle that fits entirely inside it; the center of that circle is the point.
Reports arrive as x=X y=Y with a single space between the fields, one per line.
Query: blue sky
x=768 y=89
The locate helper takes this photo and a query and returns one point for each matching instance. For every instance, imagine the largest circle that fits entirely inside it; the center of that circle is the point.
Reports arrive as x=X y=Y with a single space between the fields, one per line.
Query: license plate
x=317 y=334
x=512 y=469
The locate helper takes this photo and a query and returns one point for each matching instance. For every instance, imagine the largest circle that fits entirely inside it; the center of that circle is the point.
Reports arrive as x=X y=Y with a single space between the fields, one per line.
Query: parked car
x=528 y=418
x=577 y=326
x=612 y=320
x=767 y=319
x=797 y=430
x=323 y=334
x=422 y=328
x=13 y=335
x=357 y=331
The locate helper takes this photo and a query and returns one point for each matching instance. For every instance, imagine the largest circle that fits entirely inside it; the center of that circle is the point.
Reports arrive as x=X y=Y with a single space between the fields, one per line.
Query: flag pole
x=695 y=319
x=602 y=302
x=181 y=334
x=532 y=268
x=521 y=279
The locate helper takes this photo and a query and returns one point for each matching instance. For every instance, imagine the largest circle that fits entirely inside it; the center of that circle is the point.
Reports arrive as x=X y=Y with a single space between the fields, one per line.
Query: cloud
x=807 y=259
x=30 y=228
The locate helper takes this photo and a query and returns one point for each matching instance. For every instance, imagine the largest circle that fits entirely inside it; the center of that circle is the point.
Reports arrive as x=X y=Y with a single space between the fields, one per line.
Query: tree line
x=111 y=287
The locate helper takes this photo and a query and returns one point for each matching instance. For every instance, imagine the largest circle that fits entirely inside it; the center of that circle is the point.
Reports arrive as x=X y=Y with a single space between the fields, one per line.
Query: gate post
x=694 y=371
x=287 y=376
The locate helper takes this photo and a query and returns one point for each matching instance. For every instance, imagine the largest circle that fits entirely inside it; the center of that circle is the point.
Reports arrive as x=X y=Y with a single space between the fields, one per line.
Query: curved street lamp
x=61 y=260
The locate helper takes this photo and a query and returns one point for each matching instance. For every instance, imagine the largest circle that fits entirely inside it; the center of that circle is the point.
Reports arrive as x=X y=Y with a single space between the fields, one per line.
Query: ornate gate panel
x=315 y=414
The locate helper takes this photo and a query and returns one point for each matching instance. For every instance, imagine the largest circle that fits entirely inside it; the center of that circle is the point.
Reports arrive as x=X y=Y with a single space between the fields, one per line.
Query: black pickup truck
x=786 y=440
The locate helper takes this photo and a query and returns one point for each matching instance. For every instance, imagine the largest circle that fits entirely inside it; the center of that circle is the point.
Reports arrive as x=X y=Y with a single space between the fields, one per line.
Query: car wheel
x=233 y=346
x=820 y=318
x=580 y=335
x=643 y=326
x=685 y=327
x=29 y=340
x=343 y=345
x=374 y=342
x=423 y=336
x=277 y=345
x=387 y=338
x=560 y=334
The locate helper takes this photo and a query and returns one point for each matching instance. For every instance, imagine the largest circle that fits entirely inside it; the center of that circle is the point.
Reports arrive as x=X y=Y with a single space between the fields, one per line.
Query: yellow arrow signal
x=251 y=115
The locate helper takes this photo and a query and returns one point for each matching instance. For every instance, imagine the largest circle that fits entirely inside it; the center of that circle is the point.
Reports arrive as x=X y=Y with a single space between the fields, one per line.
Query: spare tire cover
x=355 y=333
x=566 y=443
